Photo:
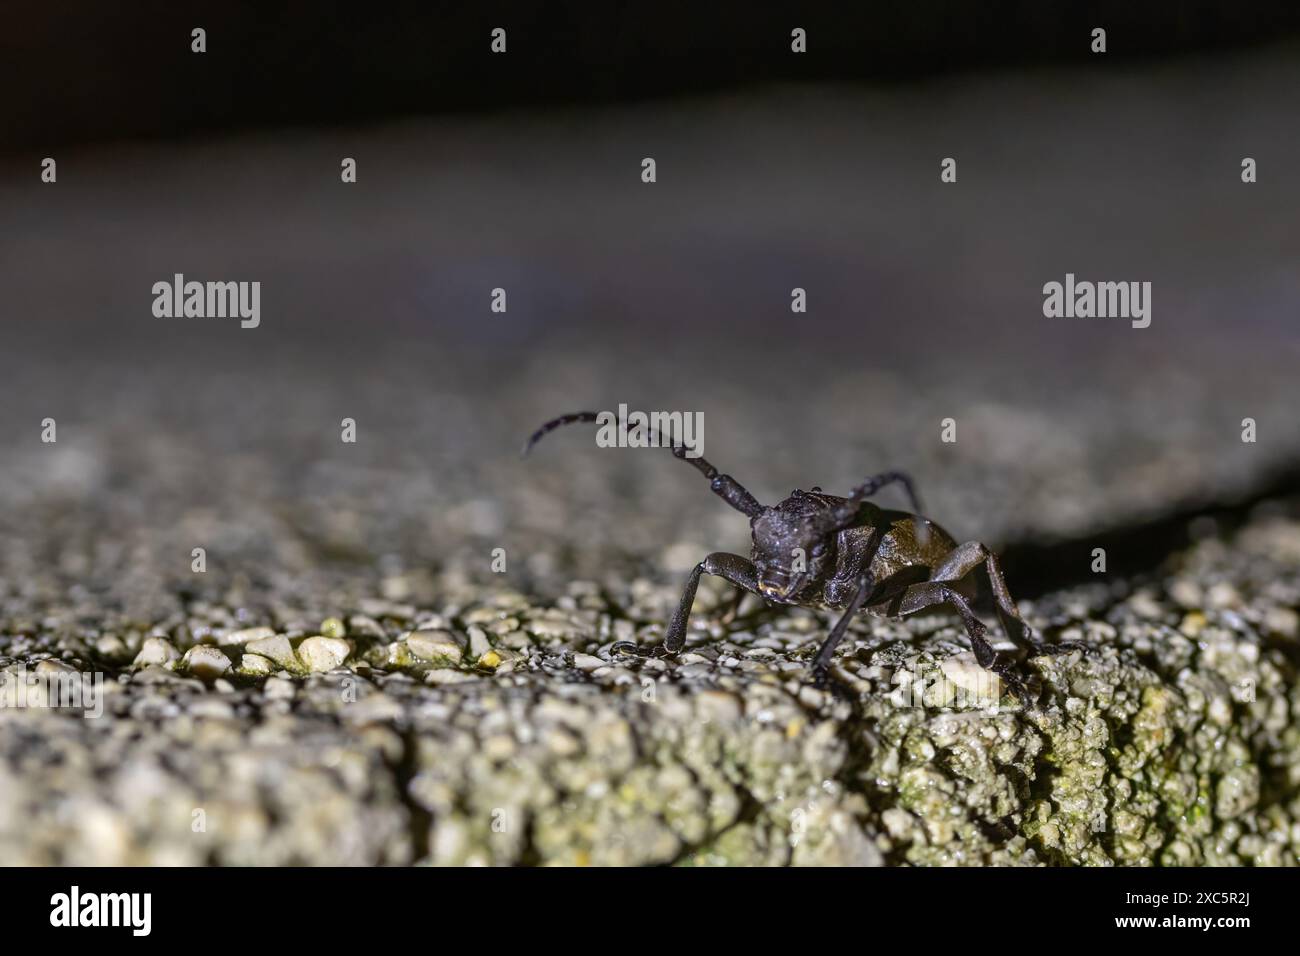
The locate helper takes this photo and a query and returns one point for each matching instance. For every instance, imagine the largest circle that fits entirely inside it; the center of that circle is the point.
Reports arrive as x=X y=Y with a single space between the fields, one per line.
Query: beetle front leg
x=730 y=567
x=822 y=662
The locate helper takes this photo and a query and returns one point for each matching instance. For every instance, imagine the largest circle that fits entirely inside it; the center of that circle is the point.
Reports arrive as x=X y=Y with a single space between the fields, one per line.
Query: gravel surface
x=498 y=730
x=348 y=681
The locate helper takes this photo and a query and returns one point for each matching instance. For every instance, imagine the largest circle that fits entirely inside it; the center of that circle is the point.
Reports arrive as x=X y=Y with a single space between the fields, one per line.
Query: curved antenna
x=845 y=513
x=724 y=486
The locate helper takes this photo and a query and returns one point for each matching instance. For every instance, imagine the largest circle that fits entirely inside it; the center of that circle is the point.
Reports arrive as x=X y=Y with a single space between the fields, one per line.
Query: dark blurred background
x=81 y=71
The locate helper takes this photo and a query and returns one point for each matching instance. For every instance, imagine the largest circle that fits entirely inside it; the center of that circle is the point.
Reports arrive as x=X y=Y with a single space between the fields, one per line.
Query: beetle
x=816 y=549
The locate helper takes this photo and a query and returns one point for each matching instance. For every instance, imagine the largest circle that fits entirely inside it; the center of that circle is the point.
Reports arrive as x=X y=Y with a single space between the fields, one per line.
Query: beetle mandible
x=816 y=549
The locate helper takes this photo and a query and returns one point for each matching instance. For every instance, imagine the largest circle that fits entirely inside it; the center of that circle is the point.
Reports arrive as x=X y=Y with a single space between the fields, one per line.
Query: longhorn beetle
x=815 y=549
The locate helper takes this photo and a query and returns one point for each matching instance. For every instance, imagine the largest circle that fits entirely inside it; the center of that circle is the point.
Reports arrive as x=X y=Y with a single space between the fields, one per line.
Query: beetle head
x=793 y=547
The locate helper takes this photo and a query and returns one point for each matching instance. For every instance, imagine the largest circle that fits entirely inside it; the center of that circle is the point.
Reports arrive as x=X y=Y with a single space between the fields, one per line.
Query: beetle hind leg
x=931 y=593
x=964 y=559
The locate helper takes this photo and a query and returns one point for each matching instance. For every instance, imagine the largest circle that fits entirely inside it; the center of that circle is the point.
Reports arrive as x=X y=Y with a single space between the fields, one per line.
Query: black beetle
x=815 y=549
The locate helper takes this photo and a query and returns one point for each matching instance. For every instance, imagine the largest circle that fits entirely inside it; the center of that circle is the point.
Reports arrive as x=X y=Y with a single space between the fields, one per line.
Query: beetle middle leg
x=731 y=610
x=730 y=567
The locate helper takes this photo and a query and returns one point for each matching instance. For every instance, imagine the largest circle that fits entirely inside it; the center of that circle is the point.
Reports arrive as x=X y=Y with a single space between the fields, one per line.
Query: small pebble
x=155 y=651
x=255 y=665
x=276 y=647
x=54 y=667
x=279 y=688
x=365 y=626
x=478 y=642
x=205 y=661
x=110 y=645
x=248 y=635
x=320 y=654
x=436 y=645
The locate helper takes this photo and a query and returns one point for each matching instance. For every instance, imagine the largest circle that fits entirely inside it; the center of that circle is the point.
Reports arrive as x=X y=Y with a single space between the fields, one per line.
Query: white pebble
x=255 y=665
x=156 y=650
x=248 y=635
x=478 y=642
x=275 y=647
x=110 y=645
x=206 y=661
x=435 y=645
x=321 y=654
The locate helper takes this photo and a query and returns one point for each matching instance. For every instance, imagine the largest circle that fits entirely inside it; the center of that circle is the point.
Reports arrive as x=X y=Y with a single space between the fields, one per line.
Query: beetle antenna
x=843 y=514
x=724 y=486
